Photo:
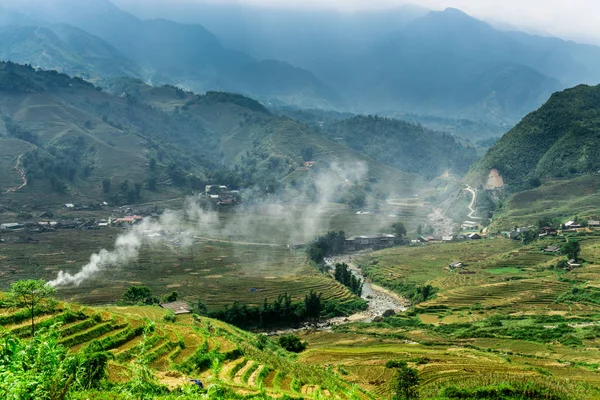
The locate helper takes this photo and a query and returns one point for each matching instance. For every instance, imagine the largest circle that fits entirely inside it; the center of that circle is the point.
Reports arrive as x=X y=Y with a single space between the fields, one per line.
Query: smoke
x=295 y=215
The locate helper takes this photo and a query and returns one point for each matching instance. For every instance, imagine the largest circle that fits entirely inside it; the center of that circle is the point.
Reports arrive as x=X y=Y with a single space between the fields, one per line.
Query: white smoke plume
x=179 y=229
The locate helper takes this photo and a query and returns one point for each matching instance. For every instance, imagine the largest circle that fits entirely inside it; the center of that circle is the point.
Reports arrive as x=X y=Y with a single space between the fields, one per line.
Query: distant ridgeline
x=560 y=140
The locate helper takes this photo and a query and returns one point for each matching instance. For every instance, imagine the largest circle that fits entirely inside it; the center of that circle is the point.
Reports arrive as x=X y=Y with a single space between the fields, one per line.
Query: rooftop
x=178 y=307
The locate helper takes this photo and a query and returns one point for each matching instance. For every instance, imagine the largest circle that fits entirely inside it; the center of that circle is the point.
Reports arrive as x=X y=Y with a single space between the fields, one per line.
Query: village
x=120 y=217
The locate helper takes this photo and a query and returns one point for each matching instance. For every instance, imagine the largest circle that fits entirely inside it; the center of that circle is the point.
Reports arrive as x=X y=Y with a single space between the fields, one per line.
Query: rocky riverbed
x=381 y=301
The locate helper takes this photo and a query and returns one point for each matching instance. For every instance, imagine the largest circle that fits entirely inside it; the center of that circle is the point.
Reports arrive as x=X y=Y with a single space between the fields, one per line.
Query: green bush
x=292 y=343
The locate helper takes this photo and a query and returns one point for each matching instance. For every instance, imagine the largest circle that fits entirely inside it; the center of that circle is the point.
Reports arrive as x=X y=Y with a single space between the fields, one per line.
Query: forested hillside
x=403 y=145
x=561 y=139
x=73 y=140
x=65 y=49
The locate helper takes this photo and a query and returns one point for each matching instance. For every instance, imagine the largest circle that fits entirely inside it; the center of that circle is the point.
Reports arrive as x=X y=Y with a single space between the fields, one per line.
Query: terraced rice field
x=173 y=348
x=216 y=273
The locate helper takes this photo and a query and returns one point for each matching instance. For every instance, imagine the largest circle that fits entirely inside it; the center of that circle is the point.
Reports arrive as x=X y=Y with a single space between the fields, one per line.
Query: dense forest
x=561 y=139
x=405 y=146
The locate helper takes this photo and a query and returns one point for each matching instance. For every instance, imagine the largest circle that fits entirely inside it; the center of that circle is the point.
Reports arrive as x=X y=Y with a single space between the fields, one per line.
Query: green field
x=562 y=199
x=499 y=320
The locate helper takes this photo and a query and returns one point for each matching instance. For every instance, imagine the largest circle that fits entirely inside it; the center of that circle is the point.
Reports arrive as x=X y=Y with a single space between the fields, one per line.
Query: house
x=474 y=236
x=573 y=263
x=69 y=205
x=357 y=243
x=422 y=239
x=309 y=164
x=593 y=223
x=350 y=244
x=547 y=231
x=178 y=307
x=572 y=225
x=455 y=265
x=447 y=238
x=514 y=234
x=551 y=249
x=48 y=224
x=130 y=219
x=11 y=226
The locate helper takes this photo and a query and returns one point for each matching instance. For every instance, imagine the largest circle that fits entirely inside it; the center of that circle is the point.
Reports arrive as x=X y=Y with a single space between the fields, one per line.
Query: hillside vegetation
x=561 y=139
x=150 y=357
x=404 y=146
x=75 y=141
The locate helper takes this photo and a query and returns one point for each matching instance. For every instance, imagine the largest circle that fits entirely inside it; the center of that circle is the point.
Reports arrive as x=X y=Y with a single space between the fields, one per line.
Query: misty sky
x=572 y=19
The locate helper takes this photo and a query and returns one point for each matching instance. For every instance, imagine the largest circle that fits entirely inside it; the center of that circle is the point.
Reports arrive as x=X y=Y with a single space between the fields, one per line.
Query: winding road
x=473 y=200
x=21 y=171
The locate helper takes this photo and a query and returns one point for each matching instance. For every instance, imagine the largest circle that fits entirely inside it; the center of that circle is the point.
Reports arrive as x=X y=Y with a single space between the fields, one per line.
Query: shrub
x=292 y=343
x=169 y=316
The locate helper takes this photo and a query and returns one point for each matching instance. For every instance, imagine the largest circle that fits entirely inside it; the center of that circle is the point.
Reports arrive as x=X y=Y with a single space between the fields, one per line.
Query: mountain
x=308 y=38
x=561 y=139
x=74 y=142
x=186 y=55
x=447 y=64
x=65 y=49
x=404 y=146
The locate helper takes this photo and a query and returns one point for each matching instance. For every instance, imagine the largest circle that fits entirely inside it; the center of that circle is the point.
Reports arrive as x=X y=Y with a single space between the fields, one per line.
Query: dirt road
x=472 y=204
x=21 y=172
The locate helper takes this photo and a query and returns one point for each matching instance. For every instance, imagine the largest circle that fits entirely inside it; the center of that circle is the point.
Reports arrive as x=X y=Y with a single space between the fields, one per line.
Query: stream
x=379 y=300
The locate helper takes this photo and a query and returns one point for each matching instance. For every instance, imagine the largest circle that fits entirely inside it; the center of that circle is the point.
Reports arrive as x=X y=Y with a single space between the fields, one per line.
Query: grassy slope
x=120 y=330
x=559 y=139
x=200 y=131
x=241 y=131
x=507 y=280
x=563 y=199
x=403 y=145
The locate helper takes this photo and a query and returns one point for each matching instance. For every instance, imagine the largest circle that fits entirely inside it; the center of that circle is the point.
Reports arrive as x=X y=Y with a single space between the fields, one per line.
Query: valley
x=244 y=201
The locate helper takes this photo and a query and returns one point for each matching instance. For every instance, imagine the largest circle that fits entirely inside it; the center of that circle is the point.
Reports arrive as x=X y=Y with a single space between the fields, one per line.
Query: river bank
x=379 y=299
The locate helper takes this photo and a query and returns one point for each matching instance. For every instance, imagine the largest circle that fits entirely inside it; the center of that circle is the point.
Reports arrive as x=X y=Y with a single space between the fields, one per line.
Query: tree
x=571 y=249
x=399 y=229
x=106 y=185
x=152 y=164
x=152 y=183
x=347 y=278
x=406 y=382
x=30 y=293
x=170 y=297
x=312 y=305
x=292 y=343
x=307 y=153
x=529 y=236
x=138 y=294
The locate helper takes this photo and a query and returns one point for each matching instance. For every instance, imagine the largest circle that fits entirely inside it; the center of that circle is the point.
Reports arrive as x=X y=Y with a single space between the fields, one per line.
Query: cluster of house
x=221 y=195
x=375 y=242
x=306 y=166
x=569 y=226
x=77 y=223
x=445 y=238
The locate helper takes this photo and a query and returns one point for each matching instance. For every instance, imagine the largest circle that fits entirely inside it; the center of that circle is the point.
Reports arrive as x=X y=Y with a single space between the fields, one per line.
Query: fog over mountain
x=395 y=60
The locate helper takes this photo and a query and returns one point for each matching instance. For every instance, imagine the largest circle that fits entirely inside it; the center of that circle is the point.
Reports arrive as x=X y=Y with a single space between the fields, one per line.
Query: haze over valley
x=249 y=200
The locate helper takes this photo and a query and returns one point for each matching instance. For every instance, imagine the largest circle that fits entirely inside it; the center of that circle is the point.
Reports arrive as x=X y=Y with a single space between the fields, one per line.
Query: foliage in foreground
x=41 y=368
